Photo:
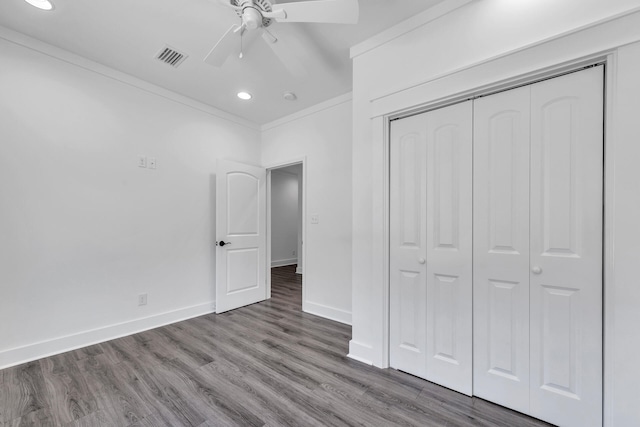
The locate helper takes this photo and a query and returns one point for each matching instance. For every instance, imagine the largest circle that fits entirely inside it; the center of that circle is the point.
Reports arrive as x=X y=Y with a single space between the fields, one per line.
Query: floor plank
x=155 y=389
x=268 y=364
x=23 y=392
x=40 y=418
x=67 y=391
x=114 y=397
x=96 y=419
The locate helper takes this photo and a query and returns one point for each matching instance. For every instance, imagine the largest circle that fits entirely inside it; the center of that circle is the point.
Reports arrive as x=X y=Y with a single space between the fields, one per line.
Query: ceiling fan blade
x=225 y=46
x=285 y=52
x=325 y=11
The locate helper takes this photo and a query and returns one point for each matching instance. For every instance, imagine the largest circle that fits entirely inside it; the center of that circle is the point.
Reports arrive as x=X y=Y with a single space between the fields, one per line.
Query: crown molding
x=408 y=25
x=347 y=97
x=54 y=52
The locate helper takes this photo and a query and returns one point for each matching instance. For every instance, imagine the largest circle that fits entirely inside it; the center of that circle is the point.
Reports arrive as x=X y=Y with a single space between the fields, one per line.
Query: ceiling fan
x=258 y=15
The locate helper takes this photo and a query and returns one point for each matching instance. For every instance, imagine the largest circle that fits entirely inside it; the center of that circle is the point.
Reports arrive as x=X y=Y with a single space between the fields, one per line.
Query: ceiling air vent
x=171 y=56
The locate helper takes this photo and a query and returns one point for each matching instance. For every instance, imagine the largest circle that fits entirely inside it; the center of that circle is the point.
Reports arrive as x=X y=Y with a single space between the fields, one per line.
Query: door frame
x=381 y=135
x=295 y=161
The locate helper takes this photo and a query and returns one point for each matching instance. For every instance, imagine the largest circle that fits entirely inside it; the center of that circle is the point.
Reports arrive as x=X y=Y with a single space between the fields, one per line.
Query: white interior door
x=240 y=231
x=449 y=247
x=501 y=248
x=408 y=245
x=566 y=248
x=430 y=246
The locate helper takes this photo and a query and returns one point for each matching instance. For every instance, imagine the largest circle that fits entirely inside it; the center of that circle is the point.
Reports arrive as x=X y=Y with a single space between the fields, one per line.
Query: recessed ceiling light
x=41 y=4
x=245 y=95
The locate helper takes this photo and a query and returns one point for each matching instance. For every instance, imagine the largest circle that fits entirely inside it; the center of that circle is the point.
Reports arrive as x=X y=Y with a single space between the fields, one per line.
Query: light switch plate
x=315 y=219
x=152 y=162
x=142 y=161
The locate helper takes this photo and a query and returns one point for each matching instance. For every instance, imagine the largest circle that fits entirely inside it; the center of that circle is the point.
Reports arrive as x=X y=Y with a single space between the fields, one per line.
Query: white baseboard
x=28 y=353
x=327 y=312
x=299 y=269
x=283 y=262
x=360 y=352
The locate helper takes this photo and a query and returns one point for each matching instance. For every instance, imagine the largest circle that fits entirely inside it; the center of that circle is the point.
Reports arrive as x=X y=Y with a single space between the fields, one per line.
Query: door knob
x=222 y=243
x=422 y=260
x=536 y=270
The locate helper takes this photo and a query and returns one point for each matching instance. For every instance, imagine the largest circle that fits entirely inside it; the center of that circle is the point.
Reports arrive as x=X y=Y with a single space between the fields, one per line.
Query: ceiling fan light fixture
x=41 y=4
x=252 y=18
x=245 y=96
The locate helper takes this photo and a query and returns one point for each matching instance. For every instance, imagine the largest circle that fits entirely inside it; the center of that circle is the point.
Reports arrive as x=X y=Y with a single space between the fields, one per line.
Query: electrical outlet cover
x=142 y=299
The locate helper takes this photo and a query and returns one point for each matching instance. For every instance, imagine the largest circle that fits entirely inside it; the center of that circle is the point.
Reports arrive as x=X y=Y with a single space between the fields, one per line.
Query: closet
x=496 y=213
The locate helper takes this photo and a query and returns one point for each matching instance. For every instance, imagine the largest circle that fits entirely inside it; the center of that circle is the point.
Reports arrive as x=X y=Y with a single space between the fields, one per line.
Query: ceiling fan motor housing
x=251 y=12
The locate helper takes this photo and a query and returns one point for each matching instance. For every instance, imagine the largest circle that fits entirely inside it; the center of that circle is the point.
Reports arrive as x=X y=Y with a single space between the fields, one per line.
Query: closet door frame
x=381 y=137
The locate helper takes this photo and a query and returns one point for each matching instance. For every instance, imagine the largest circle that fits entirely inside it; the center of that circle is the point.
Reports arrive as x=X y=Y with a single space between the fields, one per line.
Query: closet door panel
x=408 y=268
x=449 y=247
x=501 y=248
x=566 y=248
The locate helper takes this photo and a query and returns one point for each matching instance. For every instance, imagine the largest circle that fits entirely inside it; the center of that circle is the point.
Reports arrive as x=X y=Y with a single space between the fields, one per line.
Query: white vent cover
x=170 y=56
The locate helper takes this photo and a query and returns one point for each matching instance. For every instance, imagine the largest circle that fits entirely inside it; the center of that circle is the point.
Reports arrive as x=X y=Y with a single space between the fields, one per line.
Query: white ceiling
x=127 y=34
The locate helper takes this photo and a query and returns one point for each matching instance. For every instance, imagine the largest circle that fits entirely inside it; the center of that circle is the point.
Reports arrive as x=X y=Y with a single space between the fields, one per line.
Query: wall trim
x=39 y=350
x=377 y=98
x=436 y=11
x=119 y=76
x=609 y=279
x=360 y=352
x=283 y=262
x=381 y=206
x=327 y=312
x=347 y=97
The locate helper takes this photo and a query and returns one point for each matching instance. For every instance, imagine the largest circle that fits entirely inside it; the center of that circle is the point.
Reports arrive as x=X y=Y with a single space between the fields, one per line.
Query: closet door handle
x=536 y=270
x=421 y=260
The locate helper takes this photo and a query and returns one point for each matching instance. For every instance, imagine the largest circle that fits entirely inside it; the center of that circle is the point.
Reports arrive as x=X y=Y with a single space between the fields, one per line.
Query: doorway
x=285 y=230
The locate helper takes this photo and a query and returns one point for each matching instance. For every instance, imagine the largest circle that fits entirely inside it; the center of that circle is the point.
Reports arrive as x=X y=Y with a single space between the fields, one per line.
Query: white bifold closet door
x=431 y=246
x=538 y=182
x=501 y=248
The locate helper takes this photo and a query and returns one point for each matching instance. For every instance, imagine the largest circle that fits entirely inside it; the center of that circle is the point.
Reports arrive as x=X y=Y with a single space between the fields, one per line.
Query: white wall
x=480 y=43
x=323 y=136
x=284 y=218
x=83 y=229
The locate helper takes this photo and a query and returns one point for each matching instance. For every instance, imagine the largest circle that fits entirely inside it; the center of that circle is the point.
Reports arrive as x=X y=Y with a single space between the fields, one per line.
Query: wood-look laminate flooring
x=266 y=364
